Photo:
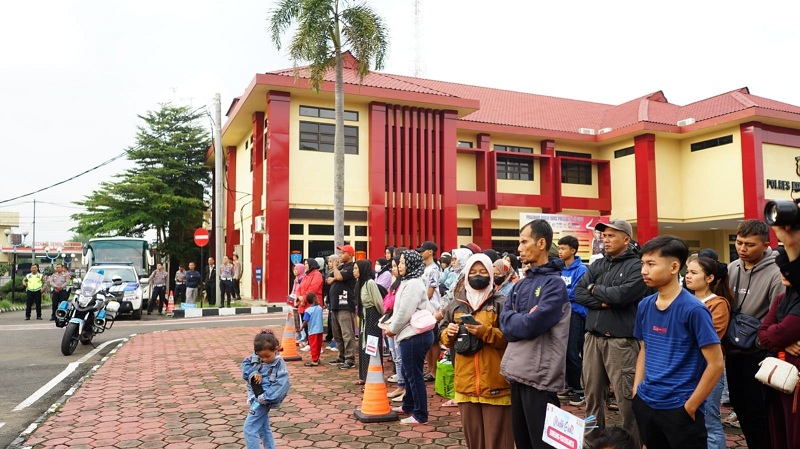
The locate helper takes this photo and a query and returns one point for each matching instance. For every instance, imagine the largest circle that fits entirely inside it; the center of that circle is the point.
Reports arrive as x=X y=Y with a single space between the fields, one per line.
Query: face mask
x=498 y=281
x=377 y=267
x=478 y=282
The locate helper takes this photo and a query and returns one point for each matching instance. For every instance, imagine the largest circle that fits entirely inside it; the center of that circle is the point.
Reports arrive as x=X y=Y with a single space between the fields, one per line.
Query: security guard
x=180 y=285
x=59 y=288
x=33 y=282
x=158 y=284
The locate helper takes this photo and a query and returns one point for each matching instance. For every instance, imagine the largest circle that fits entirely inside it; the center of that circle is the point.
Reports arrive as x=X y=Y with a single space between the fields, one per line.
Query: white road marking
x=2 y=424
x=61 y=376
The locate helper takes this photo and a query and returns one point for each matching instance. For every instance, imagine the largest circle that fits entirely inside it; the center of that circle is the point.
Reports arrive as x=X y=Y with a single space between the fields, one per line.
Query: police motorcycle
x=91 y=311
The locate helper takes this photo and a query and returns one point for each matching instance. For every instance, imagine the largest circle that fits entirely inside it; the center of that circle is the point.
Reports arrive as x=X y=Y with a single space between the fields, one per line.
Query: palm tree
x=324 y=29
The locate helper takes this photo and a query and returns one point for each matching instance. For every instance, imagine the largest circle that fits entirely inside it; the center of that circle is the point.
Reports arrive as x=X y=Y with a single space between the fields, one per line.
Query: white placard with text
x=562 y=429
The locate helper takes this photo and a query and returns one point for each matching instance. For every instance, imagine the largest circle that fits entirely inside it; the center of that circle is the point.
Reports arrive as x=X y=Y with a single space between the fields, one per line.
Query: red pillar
x=448 y=236
x=550 y=186
x=752 y=169
x=257 y=239
x=377 y=180
x=646 y=195
x=231 y=235
x=482 y=226
x=276 y=251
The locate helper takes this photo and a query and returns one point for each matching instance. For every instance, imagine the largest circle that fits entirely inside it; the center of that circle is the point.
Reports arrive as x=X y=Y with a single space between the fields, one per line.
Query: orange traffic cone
x=375 y=405
x=288 y=342
x=170 y=304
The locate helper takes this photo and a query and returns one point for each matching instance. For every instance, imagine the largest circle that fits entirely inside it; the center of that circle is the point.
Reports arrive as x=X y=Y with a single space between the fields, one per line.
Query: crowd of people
x=643 y=330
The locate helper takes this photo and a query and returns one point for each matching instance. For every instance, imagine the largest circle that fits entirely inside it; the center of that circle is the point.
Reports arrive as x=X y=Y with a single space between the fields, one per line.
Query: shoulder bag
x=743 y=329
x=778 y=374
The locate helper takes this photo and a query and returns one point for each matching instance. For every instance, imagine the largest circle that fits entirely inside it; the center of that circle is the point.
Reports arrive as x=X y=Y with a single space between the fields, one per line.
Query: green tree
x=325 y=28
x=163 y=192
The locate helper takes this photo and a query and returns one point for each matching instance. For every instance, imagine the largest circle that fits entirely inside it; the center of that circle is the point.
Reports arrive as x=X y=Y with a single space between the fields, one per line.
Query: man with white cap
x=611 y=290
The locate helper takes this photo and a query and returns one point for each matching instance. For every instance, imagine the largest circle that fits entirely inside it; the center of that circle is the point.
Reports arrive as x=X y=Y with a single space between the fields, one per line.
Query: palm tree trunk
x=338 y=156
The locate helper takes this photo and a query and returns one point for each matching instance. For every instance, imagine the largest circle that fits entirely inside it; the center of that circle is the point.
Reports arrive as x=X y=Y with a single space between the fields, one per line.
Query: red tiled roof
x=504 y=107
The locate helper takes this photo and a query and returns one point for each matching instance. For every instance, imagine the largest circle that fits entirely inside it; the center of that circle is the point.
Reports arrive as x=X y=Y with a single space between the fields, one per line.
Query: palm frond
x=366 y=35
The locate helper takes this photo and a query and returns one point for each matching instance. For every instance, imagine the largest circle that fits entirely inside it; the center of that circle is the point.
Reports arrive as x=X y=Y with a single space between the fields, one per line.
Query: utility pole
x=33 y=243
x=219 y=198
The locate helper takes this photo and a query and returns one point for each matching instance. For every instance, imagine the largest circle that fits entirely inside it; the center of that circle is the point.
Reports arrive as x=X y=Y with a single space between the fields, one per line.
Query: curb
x=23 y=436
x=228 y=311
x=13 y=309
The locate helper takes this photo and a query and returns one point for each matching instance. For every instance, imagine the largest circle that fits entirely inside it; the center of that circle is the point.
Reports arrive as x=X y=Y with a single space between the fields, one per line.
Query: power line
x=93 y=168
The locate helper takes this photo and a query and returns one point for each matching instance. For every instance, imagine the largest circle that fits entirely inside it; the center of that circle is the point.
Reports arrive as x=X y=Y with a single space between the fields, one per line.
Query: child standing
x=312 y=323
x=266 y=370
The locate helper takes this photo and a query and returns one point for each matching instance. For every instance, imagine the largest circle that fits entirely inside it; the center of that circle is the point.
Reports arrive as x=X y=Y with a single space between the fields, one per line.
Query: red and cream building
x=453 y=163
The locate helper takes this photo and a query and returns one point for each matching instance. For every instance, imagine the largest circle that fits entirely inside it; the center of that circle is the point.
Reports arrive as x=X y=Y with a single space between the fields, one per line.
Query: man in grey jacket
x=756 y=282
x=611 y=290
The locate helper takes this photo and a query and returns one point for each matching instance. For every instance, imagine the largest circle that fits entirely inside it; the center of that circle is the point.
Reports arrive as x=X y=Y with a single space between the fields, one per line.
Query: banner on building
x=579 y=226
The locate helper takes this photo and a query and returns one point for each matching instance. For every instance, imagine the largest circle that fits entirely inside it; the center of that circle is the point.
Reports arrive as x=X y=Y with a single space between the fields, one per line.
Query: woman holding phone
x=471 y=327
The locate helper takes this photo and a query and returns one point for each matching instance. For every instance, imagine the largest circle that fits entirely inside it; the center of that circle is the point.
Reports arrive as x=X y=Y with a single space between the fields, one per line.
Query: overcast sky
x=75 y=74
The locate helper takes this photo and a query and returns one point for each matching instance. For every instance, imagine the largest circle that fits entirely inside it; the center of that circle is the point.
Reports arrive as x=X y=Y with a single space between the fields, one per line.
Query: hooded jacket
x=572 y=275
x=537 y=341
x=755 y=289
x=618 y=288
x=478 y=375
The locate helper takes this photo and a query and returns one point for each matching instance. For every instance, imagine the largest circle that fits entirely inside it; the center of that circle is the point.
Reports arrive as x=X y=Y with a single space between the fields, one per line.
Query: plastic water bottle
x=254 y=405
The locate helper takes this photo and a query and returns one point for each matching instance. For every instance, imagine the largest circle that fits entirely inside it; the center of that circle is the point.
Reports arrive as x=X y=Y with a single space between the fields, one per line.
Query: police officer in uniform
x=59 y=288
x=180 y=285
x=33 y=282
x=158 y=284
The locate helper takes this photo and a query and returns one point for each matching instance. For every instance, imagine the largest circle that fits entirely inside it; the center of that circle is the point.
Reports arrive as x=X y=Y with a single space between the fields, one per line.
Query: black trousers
x=236 y=293
x=180 y=293
x=57 y=297
x=161 y=293
x=748 y=397
x=211 y=293
x=670 y=429
x=32 y=298
x=528 y=410
x=226 y=290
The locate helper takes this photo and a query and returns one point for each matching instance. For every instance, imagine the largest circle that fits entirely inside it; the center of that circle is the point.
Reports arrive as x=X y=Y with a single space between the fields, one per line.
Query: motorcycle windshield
x=92 y=283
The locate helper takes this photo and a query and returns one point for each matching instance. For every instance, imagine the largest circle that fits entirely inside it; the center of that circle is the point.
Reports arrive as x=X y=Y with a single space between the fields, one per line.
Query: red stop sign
x=201 y=237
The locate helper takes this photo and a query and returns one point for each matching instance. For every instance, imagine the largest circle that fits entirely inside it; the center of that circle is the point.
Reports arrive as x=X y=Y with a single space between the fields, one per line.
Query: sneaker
x=392 y=379
x=306 y=348
x=731 y=420
x=312 y=363
x=399 y=409
x=347 y=365
x=332 y=349
x=399 y=398
x=576 y=399
x=565 y=393
x=409 y=421
x=336 y=362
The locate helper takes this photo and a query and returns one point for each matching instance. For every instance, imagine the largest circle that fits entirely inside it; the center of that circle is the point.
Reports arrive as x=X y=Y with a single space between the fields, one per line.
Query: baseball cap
x=708 y=252
x=618 y=224
x=473 y=247
x=348 y=249
x=428 y=245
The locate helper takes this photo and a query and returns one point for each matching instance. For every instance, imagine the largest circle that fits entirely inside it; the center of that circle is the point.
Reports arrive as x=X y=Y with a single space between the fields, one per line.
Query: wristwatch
x=591 y=289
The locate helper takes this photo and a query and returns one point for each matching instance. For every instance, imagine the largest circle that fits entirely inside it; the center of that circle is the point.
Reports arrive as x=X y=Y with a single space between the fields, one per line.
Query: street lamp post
x=15 y=240
x=53 y=258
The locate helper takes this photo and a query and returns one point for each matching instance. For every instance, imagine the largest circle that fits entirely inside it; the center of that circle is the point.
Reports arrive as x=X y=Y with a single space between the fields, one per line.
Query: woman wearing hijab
x=299 y=271
x=370 y=310
x=503 y=279
x=397 y=394
x=482 y=393
x=312 y=283
x=411 y=296
x=780 y=333
x=384 y=276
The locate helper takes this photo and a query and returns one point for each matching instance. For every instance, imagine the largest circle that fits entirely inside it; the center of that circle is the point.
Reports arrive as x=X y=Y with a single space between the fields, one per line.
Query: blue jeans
x=413 y=352
x=257 y=430
x=716 y=434
x=398 y=361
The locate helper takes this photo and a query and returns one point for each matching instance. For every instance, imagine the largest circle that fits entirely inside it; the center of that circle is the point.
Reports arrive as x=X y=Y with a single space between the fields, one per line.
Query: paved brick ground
x=182 y=389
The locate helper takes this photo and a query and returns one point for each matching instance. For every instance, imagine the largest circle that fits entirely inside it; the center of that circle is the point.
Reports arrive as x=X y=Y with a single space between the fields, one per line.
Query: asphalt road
x=34 y=374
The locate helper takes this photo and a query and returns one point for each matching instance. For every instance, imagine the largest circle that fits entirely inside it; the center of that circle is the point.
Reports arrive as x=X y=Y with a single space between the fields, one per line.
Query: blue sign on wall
x=296 y=258
x=258 y=274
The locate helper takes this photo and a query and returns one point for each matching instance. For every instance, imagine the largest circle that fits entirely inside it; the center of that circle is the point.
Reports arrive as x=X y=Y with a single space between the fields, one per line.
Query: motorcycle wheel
x=70 y=339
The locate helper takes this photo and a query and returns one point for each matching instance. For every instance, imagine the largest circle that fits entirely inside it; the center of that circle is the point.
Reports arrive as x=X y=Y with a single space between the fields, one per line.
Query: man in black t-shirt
x=342 y=302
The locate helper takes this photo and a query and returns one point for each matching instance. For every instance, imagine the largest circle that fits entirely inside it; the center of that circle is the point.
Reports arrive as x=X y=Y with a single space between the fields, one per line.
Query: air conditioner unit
x=260 y=224
x=603 y=130
x=589 y=131
x=686 y=122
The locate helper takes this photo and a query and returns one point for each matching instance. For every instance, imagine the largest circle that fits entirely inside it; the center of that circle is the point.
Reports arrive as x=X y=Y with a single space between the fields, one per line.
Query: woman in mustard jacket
x=482 y=394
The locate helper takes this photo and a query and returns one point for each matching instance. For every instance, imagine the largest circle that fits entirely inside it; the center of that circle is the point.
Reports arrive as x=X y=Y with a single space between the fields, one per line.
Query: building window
x=310 y=111
x=361 y=231
x=513 y=149
x=465 y=232
x=464 y=144
x=574 y=172
x=296 y=229
x=501 y=232
x=711 y=143
x=623 y=152
x=319 y=137
x=514 y=168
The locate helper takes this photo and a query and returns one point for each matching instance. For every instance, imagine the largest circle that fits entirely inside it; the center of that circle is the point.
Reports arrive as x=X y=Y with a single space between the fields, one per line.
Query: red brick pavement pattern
x=182 y=389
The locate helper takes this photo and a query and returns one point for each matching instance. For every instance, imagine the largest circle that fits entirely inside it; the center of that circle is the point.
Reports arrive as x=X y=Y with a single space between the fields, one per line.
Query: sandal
x=428 y=377
x=359 y=382
x=450 y=403
x=311 y=364
x=613 y=406
x=397 y=392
